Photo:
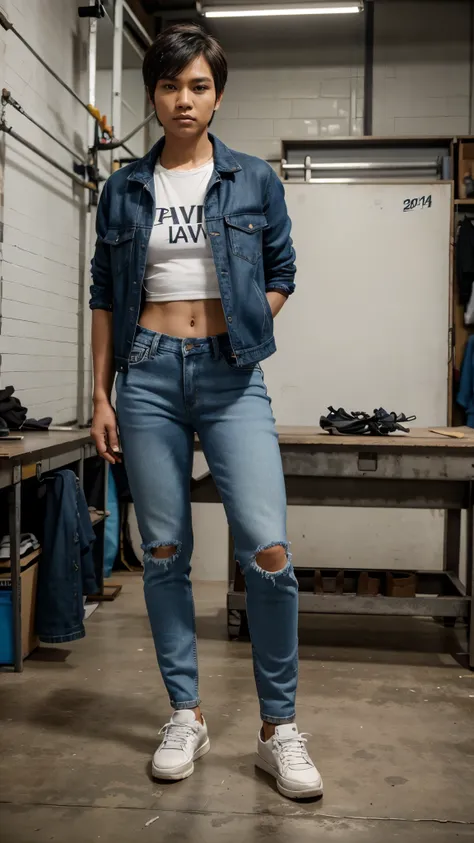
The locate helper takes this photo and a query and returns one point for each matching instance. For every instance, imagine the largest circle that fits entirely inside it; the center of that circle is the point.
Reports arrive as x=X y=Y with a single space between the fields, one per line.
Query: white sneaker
x=185 y=740
x=285 y=757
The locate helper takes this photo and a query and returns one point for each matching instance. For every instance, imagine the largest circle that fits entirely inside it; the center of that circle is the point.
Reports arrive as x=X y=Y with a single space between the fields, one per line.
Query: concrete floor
x=391 y=713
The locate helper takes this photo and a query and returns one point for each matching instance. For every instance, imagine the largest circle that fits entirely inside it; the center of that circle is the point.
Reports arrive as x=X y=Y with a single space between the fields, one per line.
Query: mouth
x=185 y=118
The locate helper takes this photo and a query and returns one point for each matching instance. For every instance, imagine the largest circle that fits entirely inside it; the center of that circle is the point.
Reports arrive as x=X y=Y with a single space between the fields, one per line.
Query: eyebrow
x=193 y=81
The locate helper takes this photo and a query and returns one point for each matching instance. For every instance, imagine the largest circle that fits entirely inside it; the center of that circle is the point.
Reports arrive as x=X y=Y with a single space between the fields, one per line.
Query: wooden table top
x=38 y=444
x=419 y=437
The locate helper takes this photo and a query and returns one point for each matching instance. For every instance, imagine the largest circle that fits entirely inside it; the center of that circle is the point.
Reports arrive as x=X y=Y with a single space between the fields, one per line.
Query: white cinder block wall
x=42 y=209
x=421 y=68
x=294 y=95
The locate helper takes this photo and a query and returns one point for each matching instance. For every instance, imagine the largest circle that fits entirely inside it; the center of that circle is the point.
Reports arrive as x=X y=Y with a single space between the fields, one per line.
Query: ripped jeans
x=173 y=389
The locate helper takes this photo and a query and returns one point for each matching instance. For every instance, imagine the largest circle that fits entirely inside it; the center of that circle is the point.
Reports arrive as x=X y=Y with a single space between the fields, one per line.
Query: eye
x=201 y=88
x=168 y=86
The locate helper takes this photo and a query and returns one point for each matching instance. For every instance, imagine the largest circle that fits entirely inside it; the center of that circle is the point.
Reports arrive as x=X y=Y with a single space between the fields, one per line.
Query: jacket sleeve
x=101 y=289
x=278 y=252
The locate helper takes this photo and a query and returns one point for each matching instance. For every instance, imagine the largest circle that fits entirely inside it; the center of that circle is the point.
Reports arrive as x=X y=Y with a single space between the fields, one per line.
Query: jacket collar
x=144 y=169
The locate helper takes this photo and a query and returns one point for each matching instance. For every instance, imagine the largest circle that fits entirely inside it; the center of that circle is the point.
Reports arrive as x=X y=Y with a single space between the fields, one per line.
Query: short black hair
x=175 y=48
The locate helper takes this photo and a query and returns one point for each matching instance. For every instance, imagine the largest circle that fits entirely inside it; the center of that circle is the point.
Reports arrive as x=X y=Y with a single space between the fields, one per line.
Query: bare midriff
x=185 y=318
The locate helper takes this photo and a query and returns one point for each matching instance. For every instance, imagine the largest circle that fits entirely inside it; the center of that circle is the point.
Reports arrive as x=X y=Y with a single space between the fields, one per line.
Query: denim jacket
x=249 y=233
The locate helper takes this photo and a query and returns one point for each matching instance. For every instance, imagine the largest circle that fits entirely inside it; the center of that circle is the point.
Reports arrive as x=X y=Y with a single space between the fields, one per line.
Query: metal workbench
x=419 y=470
x=23 y=460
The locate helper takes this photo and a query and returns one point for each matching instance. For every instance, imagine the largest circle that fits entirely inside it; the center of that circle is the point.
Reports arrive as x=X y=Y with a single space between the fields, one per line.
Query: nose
x=184 y=99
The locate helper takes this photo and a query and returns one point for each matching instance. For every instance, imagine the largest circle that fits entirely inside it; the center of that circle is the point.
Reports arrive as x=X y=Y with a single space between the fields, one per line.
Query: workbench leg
x=14 y=517
x=469 y=575
x=452 y=541
x=230 y=558
x=80 y=469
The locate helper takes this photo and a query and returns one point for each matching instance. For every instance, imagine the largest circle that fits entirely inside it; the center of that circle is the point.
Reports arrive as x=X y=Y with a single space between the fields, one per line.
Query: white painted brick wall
x=278 y=96
x=421 y=68
x=421 y=82
x=42 y=260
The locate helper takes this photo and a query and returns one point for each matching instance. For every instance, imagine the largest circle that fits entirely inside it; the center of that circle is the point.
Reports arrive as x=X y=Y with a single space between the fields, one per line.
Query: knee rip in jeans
x=272 y=560
x=162 y=554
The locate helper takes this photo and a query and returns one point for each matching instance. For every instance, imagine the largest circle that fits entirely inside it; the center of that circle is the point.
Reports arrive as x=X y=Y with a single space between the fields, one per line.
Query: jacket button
x=229 y=318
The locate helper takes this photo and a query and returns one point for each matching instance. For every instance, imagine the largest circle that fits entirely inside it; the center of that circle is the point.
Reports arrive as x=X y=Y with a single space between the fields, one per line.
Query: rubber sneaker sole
x=185 y=770
x=305 y=792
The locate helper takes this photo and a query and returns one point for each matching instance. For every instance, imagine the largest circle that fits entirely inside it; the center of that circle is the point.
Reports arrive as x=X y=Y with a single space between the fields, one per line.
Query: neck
x=186 y=154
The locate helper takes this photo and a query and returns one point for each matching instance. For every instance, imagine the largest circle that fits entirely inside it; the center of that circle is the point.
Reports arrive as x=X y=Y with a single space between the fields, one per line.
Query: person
x=193 y=260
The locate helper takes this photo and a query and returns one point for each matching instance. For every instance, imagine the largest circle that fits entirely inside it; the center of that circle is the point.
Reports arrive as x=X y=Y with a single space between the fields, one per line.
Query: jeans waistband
x=216 y=346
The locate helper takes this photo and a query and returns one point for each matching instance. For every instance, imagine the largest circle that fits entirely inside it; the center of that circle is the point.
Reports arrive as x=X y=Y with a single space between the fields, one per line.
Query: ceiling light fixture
x=345 y=7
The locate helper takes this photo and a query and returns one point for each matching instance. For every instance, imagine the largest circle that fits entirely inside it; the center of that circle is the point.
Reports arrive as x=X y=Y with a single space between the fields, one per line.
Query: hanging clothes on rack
x=465 y=397
x=465 y=268
x=66 y=569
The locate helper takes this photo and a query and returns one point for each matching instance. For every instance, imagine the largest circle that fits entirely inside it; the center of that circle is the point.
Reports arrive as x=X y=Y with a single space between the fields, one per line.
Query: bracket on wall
x=95 y=11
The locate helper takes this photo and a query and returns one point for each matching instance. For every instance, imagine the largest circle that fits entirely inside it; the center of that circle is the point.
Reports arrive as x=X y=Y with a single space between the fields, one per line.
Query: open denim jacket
x=249 y=232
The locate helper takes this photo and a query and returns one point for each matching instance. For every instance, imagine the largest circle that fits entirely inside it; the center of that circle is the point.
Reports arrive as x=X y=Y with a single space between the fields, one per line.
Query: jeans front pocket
x=138 y=354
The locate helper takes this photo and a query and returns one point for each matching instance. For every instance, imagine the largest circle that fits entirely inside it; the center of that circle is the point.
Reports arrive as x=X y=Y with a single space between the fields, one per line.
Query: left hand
x=276 y=301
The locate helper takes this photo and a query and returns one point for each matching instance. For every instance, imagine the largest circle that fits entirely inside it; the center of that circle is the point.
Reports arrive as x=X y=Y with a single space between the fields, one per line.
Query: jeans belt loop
x=216 y=348
x=154 y=345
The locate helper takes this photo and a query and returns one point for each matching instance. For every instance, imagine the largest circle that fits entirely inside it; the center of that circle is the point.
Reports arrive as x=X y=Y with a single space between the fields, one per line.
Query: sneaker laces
x=177 y=735
x=293 y=752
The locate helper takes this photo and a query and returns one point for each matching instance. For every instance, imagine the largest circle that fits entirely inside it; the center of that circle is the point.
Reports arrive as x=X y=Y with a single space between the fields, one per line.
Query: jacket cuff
x=97 y=300
x=286 y=288
x=100 y=305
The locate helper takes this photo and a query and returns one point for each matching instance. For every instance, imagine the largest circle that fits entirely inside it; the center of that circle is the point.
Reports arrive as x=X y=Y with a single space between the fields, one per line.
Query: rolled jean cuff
x=180 y=706
x=277 y=721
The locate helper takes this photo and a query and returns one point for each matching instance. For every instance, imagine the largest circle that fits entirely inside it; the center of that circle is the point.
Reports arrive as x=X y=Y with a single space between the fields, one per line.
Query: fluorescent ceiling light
x=328 y=8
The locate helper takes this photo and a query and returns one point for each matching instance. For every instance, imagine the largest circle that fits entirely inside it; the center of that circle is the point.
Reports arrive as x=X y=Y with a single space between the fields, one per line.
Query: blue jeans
x=173 y=389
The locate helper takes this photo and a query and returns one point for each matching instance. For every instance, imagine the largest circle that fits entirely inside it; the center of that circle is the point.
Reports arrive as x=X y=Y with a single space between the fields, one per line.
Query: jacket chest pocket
x=245 y=235
x=121 y=245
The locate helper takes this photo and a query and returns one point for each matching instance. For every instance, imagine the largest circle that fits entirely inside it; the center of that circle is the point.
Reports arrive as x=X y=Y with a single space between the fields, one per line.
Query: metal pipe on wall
x=363 y=165
x=117 y=68
x=76 y=179
x=7 y=99
x=84 y=396
x=116 y=144
x=5 y=23
x=368 y=66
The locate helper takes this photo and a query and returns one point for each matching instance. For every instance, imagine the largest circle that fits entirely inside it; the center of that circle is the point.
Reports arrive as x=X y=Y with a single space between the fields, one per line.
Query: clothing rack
x=28 y=461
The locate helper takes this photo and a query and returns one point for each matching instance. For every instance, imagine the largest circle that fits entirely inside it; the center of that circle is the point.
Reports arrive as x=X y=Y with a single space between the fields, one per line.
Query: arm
x=104 y=424
x=278 y=252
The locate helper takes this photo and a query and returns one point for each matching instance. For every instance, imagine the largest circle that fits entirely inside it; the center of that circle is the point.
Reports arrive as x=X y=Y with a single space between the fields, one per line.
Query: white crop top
x=179 y=263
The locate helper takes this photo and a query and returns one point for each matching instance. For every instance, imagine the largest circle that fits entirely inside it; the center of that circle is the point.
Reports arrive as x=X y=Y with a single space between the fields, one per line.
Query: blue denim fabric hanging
x=66 y=569
x=465 y=397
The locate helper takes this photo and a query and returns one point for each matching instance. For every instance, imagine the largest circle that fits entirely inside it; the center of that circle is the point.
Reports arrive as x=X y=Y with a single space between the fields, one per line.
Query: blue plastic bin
x=6 y=624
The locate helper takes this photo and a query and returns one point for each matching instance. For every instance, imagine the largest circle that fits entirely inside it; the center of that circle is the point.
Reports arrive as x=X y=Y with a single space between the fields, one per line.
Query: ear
x=218 y=102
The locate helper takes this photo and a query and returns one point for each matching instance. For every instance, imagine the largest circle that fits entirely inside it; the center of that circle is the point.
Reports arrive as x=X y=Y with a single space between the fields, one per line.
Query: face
x=185 y=105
